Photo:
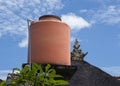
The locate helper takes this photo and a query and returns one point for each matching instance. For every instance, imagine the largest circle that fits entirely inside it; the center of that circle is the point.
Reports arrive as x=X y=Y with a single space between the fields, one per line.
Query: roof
x=89 y=75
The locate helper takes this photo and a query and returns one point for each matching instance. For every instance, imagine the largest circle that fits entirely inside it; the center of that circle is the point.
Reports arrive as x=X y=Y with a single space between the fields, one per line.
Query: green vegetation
x=35 y=75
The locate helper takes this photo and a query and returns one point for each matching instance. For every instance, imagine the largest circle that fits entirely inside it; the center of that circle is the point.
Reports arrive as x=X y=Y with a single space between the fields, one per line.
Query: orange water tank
x=49 y=41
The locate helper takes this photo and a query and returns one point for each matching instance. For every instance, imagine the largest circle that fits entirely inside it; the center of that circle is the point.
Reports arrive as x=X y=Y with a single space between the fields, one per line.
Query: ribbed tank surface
x=49 y=41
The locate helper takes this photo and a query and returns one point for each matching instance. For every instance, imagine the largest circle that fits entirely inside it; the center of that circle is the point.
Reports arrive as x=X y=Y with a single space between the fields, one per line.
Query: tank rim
x=57 y=17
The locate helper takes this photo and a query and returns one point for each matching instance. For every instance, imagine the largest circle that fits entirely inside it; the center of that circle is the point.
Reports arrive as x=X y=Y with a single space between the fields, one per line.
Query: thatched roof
x=89 y=75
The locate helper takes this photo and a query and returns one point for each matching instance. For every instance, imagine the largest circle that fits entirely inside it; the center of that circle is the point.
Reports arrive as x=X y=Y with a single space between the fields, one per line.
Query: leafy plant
x=2 y=83
x=35 y=75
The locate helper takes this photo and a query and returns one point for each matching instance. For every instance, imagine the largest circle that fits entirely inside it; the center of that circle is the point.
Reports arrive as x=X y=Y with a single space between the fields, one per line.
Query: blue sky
x=95 y=23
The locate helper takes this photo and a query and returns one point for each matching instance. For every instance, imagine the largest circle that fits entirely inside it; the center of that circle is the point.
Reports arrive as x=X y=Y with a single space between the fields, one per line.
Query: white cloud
x=13 y=15
x=23 y=43
x=108 y=14
x=3 y=74
x=72 y=39
x=114 y=70
x=74 y=21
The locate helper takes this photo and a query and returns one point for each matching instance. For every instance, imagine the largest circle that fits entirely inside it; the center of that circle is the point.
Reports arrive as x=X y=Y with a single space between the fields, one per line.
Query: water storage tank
x=49 y=41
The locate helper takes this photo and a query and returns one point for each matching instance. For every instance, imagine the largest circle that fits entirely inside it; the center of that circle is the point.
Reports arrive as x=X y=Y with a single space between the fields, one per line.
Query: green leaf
x=34 y=75
x=60 y=82
x=37 y=67
x=47 y=67
x=16 y=69
x=2 y=83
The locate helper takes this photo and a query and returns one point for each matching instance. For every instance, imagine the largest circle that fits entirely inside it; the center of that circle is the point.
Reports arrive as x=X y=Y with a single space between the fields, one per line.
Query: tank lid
x=45 y=16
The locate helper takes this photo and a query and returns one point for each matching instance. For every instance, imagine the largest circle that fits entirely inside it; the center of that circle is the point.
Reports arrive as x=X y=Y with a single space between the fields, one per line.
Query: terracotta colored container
x=49 y=41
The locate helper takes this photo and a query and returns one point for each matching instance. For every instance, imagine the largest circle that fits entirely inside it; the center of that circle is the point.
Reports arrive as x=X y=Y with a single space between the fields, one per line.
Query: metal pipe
x=29 y=42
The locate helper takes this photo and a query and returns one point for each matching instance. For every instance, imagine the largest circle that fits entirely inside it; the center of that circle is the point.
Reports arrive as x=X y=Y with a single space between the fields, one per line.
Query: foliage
x=35 y=75
x=2 y=83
